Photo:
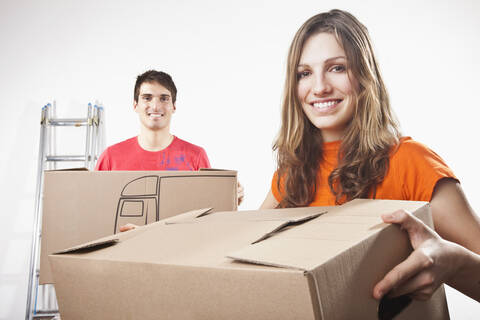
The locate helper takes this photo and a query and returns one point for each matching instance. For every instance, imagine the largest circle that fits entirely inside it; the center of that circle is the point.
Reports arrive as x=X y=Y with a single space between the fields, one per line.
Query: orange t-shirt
x=413 y=172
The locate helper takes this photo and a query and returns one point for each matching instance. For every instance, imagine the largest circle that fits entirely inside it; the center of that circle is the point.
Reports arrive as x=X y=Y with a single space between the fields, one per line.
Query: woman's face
x=324 y=87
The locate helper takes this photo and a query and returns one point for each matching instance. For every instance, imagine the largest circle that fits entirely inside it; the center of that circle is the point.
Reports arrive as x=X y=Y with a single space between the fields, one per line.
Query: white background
x=228 y=62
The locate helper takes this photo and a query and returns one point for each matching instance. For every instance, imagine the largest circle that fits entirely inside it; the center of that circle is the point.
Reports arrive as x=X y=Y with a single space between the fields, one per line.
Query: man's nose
x=156 y=104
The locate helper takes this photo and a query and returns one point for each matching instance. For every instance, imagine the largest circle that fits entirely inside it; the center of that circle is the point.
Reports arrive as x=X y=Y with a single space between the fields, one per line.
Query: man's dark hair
x=160 y=77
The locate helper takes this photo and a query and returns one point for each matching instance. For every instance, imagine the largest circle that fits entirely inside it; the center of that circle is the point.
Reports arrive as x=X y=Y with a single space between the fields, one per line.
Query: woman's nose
x=321 y=85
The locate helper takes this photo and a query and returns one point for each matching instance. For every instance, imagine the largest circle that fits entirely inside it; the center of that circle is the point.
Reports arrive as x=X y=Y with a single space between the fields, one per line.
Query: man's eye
x=303 y=74
x=165 y=99
x=147 y=98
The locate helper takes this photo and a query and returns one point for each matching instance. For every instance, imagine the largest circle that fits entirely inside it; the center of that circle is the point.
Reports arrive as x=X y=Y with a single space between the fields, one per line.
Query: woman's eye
x=303 y=74
x=338 y=68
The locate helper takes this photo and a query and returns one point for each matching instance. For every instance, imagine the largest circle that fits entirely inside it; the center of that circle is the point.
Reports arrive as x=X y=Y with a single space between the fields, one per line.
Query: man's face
x=154 y=106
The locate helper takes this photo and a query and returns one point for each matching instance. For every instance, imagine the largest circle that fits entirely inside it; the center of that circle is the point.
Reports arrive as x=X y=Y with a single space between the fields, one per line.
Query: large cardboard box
x=305 y=263
x=80 y=206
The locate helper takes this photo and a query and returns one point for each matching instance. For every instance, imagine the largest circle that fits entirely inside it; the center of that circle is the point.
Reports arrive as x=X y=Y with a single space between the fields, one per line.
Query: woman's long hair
x=369 y=138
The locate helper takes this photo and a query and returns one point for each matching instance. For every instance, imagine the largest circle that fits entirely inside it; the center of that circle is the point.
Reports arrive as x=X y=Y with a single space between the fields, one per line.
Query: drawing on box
x=139 y=201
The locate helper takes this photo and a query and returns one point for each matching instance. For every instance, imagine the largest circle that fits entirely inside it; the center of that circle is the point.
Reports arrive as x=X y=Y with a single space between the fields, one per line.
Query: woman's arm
x=270 y=202
x=453 y=217
x=433 y=262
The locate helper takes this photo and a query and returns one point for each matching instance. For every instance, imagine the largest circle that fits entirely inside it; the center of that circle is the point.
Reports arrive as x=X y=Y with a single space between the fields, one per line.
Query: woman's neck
x=332 y=135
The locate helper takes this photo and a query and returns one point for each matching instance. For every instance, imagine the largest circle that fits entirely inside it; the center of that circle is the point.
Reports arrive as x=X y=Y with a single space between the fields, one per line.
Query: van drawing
x=138 y=202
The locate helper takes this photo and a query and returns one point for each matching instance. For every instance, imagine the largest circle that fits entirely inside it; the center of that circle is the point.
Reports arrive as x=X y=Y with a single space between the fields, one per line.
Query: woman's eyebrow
x=335 y=58
x=302 y=65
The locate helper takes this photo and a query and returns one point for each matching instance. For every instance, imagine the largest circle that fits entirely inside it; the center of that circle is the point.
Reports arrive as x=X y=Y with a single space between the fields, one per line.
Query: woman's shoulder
x=409 y=148
x=411 y=154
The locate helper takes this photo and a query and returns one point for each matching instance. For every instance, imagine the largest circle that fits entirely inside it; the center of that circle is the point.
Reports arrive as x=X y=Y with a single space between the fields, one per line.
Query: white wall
x=228 y=61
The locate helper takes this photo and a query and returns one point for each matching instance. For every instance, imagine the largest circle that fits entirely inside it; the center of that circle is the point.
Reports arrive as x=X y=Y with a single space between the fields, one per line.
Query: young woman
x=339 y=140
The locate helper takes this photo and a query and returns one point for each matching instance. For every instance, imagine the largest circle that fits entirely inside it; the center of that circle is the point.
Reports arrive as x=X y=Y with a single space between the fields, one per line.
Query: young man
x=155 y=148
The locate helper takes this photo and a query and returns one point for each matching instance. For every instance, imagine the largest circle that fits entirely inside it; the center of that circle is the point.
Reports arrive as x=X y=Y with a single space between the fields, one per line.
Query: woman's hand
x=434 y=261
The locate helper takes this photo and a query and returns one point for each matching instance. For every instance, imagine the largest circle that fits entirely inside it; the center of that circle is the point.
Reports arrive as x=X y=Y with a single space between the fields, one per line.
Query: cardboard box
x=305 y=263
x=80 y=206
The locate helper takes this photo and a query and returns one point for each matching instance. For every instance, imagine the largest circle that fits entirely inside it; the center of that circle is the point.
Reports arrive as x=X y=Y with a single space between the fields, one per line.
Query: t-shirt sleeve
x=274 y=187
x=419 y=169
x=203 y=161
x=103 y=164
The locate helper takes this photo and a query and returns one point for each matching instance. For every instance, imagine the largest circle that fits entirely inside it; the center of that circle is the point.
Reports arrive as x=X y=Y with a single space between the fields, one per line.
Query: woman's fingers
x=422 y=272
x=413 y=265
x=420 y=286
x=418 y=232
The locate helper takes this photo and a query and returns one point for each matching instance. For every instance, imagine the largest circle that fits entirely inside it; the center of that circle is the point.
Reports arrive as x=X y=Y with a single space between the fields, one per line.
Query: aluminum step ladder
x=41 y=299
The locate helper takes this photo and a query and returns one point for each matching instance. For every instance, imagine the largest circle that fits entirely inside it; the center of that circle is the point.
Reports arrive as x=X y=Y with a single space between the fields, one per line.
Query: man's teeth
x=322 y=105
x=156 y=115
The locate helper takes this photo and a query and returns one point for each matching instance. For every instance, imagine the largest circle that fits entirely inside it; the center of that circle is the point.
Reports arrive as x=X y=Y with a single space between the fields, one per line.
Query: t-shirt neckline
x=155 y=152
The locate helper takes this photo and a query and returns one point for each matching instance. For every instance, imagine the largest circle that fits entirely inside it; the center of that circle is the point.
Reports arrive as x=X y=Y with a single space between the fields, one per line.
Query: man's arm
x=103 y=164
x=202 y=161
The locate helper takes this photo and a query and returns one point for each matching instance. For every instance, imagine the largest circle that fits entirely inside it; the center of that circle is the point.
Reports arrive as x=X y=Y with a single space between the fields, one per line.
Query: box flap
x=287 y=217
x=93 y=245
x=113 y=239
x=190 y=239
x=290 y=223
x=188 y=216
x=68 y=169
x=309 y=245
x=213 y=169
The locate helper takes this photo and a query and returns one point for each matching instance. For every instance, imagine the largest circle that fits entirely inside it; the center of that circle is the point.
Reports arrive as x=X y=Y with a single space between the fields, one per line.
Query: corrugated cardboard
x=80 y=206
x=305 y=263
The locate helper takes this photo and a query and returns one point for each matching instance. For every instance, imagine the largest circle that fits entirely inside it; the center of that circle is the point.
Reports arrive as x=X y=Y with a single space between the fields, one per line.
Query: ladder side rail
x=33 y=277
x=101 y=132
x=89 y=133
x=96 y=130
x=52 y=132
x=91 y=151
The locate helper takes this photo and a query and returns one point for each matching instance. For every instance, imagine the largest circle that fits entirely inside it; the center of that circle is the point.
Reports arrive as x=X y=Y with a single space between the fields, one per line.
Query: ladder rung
x=74 y=122
x=45 y=314
x=65 y=158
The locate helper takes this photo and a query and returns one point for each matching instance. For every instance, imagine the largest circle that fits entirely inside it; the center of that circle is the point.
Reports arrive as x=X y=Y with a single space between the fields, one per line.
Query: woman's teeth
x=324 y=105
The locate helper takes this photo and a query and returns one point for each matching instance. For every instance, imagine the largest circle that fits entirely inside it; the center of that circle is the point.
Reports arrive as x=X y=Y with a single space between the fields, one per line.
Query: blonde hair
x=369 y=138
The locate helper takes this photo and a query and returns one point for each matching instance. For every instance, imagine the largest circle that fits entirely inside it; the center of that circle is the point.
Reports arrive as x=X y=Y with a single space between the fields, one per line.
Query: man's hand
x=433 y=261
x=240 y=193
x=127 y=227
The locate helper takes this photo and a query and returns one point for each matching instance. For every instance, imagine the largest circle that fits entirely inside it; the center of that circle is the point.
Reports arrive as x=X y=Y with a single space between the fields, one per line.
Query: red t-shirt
x=129 y=156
